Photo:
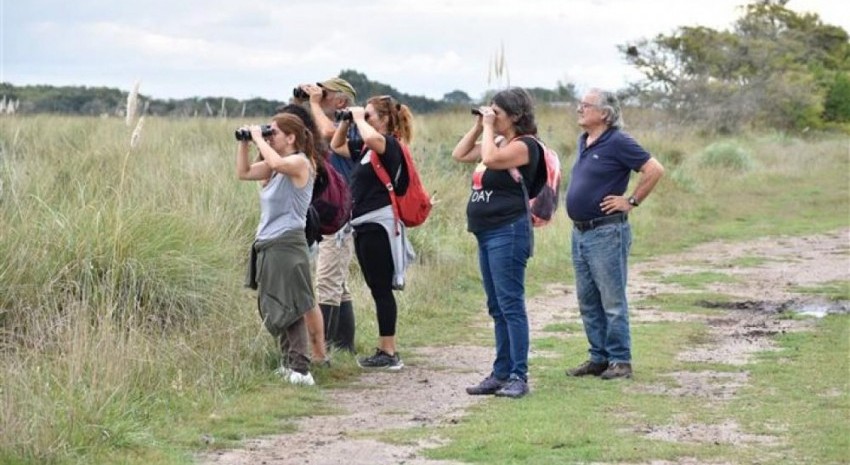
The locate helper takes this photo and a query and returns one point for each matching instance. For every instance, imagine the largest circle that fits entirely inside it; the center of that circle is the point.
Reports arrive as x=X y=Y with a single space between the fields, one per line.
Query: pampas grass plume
x=132 y=104
x=137 y=132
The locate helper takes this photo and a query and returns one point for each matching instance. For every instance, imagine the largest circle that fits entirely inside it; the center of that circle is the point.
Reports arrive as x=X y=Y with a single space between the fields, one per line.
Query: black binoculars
x=475 y=112
x=343 y=115
x=302 y=94
x=245 y=134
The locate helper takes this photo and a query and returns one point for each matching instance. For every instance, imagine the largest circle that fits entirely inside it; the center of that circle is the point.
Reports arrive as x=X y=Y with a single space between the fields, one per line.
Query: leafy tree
x=566 y=92
x=837 y=104
x=457 y=97
x=366 y=89
x=775 y=67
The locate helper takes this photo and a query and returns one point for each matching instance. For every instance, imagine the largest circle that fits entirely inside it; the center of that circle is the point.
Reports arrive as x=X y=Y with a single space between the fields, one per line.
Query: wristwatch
x=633 y=201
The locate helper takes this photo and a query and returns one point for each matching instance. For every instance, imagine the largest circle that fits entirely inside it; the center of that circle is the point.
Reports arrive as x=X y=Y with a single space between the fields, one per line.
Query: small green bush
x=727 y=155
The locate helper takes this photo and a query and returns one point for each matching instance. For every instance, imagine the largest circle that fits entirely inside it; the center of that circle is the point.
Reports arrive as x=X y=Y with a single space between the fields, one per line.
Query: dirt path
x=429 y=391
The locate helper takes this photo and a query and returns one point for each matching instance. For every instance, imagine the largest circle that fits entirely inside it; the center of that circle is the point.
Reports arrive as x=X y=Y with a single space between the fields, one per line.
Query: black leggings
x=372 y=247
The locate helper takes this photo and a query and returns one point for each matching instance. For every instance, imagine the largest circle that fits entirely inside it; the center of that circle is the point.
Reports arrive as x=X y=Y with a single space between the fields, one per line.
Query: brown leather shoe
x=617 y=370
x=588 y=368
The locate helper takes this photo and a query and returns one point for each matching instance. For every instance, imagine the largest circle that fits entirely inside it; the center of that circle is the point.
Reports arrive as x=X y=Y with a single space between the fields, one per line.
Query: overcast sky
x=262 y=48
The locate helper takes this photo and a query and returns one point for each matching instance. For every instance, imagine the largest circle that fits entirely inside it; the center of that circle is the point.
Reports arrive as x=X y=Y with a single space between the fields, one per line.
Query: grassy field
x=124 y=324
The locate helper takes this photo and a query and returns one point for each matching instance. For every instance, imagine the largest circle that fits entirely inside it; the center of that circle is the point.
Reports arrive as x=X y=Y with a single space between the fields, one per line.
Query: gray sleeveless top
x=283 y=207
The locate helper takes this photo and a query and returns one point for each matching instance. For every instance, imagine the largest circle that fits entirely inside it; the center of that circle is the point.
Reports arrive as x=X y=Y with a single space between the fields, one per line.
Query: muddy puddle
x=817 y=307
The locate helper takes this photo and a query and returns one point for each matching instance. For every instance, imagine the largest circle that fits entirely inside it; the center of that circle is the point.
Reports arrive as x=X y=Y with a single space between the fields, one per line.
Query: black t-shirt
x=497 y=199
x=367 y=191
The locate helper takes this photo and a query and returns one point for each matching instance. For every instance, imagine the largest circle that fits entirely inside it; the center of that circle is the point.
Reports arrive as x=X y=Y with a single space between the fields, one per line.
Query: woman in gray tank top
x=280 y=264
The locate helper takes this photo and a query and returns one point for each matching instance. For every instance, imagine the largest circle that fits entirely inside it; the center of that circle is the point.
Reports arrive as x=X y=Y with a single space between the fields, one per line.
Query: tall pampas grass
x=497 y=69
x=132 y=104
x=135 y=138
x=137 y=131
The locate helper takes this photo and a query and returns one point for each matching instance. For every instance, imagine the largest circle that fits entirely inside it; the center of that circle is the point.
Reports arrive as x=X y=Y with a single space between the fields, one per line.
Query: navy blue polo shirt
x=600 y=170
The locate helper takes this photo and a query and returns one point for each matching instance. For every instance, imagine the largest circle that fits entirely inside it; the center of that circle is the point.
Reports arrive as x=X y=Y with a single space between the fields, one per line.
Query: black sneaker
x=381 y=360
x=513 y=388
x=489 y=386
x=588 y=368
x=617 y=370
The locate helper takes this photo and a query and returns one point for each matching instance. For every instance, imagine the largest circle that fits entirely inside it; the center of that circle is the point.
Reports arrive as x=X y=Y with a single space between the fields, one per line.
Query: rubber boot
x=331 y=316
x=344 y=337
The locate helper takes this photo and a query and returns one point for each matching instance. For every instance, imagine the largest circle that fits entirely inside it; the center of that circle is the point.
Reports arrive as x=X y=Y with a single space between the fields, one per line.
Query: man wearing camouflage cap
x=335 y=251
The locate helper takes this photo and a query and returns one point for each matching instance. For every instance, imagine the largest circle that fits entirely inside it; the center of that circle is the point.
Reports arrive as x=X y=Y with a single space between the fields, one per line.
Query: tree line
x=98 y=101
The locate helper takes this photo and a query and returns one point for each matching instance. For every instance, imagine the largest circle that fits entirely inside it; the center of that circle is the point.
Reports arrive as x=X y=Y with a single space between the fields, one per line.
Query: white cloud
x=221 y=47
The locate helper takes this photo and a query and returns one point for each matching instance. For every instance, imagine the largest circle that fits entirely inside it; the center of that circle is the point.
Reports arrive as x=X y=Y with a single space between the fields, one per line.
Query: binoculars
x=244 y=134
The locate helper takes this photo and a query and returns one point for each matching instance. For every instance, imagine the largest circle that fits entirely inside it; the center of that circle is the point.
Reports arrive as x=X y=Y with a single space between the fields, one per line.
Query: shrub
x=727 y=155
x=837 y=103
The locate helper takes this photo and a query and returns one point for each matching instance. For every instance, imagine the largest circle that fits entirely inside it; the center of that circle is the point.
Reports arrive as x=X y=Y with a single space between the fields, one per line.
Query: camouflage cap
x=338 y=84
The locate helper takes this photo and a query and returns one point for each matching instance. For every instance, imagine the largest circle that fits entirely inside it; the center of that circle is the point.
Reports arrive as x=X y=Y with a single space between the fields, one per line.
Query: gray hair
x=610 y=105
x=348 y=100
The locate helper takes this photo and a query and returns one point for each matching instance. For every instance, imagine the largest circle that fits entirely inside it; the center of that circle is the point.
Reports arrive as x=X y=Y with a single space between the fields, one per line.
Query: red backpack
x=413 y=207
x=544 y=193
x=331 y=199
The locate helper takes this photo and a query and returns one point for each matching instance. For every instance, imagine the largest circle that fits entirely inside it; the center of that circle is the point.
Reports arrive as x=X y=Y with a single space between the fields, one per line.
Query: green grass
x=804 y=389
x=574 y=420
x=834 y=290
x=799 y=395
x=697 y=280
x=126 y=336
x=563 y=327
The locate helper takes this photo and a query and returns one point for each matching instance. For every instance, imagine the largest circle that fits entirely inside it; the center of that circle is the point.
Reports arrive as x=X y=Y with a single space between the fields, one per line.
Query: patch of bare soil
x=707 y=384
x=429 y=391
x=727 y=432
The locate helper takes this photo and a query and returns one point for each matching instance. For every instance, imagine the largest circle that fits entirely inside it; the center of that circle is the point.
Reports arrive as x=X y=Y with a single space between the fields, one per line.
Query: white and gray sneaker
x=299 y=379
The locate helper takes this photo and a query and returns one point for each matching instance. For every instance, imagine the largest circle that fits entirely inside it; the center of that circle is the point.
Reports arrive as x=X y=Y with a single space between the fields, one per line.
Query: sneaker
x=513 y=388
x=283 y=372
x=617 y=370
x=381 y=360
x=489 y=386
x=301 y=379
x=588 y=368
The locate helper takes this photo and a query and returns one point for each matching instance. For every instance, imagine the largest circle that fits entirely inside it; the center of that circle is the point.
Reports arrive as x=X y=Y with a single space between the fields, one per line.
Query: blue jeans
x=600 y=259
x=503 y=253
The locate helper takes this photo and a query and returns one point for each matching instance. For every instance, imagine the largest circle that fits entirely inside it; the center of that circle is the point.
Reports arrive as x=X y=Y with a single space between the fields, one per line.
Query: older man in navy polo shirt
x=598 y=205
